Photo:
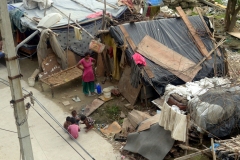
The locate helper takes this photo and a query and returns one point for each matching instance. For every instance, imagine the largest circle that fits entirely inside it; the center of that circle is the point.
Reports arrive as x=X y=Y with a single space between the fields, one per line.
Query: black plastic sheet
x=174 y=34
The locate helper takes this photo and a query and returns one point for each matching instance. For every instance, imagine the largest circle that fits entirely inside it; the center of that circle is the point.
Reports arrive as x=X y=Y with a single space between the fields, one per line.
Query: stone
x=129 y=106
x=66 y=103
x=122 y=115
x=71 y=108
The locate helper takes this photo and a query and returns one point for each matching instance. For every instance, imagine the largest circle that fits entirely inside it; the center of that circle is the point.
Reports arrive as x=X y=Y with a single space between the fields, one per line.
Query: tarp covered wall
x=217 y=111
x=78 y=12
x=78 y=46
x=174 y=34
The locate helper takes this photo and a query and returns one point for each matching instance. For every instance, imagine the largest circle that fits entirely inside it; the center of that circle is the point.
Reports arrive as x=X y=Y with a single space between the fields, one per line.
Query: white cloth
x=171 y=119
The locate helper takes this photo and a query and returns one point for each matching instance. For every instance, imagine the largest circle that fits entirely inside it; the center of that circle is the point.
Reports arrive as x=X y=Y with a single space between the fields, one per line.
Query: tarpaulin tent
x=174 y=34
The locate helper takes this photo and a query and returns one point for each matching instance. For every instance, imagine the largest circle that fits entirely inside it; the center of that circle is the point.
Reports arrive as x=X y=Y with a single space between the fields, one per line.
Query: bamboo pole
x=109 y=4
x=73 y=22
x=187 y=139
x=188 y=148
x=213 y=151
x=193 y=154
x=84 y=6
x=68 y=37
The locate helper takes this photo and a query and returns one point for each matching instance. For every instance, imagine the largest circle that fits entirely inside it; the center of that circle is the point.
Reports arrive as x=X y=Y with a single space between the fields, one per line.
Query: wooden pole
x=68 y=37
x=187 y=139
x=213 y=151
x=193 y=154
x=73 y=22
x=104 y=16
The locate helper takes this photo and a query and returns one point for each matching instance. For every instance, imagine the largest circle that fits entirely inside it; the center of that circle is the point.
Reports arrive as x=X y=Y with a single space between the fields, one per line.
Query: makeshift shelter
x=88 y=15
x=175 y=39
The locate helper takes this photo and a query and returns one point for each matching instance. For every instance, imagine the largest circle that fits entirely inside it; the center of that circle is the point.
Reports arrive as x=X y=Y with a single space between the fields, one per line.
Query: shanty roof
x=78 y=12
x=174 y=34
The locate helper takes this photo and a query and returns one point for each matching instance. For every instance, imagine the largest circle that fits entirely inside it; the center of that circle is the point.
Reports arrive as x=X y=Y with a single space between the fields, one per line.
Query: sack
x=96 y=46
x=29 y=4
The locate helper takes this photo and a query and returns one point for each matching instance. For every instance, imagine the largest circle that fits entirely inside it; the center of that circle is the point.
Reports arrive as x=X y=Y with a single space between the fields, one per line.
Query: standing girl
x=86 y=64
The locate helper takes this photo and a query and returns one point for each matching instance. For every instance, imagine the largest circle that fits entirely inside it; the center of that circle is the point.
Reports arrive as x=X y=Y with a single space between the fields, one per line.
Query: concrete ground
x=46 y=143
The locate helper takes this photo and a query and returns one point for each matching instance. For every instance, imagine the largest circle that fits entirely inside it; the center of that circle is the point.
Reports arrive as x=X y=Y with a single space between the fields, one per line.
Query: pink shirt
x=73 y=130
x=88 y=74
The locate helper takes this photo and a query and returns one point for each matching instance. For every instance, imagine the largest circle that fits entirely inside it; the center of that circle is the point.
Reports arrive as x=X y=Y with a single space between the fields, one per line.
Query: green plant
x=113 y=110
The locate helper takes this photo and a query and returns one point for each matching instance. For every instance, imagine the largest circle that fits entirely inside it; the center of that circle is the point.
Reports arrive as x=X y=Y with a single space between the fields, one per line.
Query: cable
x=53 y=118
x=7 y=130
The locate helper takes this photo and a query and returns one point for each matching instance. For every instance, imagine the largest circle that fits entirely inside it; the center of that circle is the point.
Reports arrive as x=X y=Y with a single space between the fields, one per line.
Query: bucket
x=107 y=92
x=31 y=81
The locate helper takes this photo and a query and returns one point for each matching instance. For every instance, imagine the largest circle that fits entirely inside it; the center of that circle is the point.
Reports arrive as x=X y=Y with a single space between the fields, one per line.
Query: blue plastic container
x=155 y=2
x=99 y=89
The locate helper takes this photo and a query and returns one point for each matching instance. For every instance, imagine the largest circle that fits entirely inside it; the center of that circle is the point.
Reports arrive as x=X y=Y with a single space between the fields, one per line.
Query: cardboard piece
x=113 y=128
x=66 y=103
x=90 y=108
x=125 y=87
x=127 y=127
x=167 y=58
x=105 y=99
x=135 y=117
x=147 y=123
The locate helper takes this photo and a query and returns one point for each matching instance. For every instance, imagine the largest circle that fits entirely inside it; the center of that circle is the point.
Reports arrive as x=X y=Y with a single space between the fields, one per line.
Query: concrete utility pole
x=15 y=85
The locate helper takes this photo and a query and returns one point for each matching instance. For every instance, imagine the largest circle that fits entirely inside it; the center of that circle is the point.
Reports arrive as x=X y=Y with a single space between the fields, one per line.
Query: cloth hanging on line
x=78 y=33
x=174 y=121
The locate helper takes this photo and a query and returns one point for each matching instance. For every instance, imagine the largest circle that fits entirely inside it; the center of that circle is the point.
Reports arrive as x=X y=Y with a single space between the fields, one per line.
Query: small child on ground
x=67 y=123
x=75 y=116
x=73 y=129
x=88 y=121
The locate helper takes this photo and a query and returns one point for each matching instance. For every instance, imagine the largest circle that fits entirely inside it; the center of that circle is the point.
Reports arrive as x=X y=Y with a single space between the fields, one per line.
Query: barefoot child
x=75 y=116
x=67 y=123
x=73 y=129
x=88 y=121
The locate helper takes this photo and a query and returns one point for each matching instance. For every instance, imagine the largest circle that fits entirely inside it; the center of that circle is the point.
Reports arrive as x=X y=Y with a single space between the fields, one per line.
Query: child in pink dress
x=86 y=64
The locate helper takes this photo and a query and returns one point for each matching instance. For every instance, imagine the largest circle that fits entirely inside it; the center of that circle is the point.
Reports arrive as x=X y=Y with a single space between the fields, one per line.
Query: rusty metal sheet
x=193 y=32
x=167 y=58
x=125 y=87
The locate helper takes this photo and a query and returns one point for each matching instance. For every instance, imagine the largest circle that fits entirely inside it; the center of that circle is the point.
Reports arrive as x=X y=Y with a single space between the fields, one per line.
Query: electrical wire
x=53 y=118
x=56 y=131
x=7 y=130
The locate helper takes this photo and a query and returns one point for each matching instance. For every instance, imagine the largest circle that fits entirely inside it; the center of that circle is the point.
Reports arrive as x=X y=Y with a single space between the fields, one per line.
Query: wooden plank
x=235 y=34
x=167 y=58
x=193 y=32
x=126 y=35
x=125 y=87
x=149 y=72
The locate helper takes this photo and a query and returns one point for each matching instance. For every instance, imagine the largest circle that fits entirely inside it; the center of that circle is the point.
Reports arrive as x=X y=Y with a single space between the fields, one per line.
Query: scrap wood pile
x=229 y=148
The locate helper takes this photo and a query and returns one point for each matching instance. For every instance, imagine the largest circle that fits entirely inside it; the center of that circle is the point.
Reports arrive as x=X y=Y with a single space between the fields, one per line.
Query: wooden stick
x=188 y=148
x=68 y=37
x=84 y=6
x=109 y=4
x=104 y=16
x=187 y=139
x=219 y=43
x=193 y=154
x=211 y=4
x=102 y=31
x=213 y=151
x=74 y=22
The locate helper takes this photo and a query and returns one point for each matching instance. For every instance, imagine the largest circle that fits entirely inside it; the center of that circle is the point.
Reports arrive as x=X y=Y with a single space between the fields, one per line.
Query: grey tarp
x=153 y=144
x=57 y=49
x=78 y=12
